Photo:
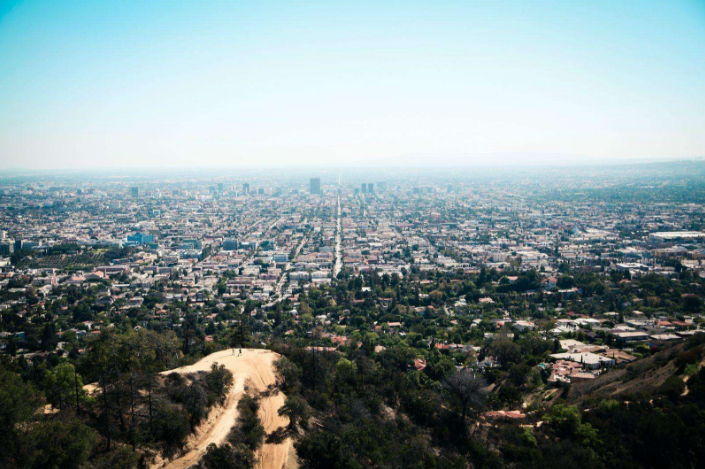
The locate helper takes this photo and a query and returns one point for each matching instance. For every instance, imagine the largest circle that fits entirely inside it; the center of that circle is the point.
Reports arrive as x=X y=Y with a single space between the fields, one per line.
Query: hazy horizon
x=415 y=162
x=184 y=84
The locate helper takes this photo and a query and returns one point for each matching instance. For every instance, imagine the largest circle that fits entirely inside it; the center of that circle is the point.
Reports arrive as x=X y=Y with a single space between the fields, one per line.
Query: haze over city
x=130 y=84
x=352 y=234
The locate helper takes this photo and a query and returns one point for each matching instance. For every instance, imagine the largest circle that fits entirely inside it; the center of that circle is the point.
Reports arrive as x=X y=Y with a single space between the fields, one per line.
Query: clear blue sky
x=225 y=83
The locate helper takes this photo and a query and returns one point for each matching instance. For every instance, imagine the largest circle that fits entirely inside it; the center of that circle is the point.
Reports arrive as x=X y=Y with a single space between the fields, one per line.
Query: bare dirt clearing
x=253 y=369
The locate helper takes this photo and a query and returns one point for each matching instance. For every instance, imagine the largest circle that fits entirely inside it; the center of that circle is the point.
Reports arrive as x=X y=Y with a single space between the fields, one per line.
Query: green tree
x=296 y=410
x=219 y=381
x=63 y=387
x=227 y=457
x=249 y=430
x=61 y=444
x=18 y=403
x=288 y=374
x=567 y=421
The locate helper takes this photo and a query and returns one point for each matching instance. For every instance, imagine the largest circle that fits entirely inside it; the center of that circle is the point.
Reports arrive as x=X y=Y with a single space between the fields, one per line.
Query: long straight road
x=338 y=241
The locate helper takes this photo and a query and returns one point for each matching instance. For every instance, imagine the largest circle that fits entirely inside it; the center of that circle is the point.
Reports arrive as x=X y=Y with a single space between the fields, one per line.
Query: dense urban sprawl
x=423 y=319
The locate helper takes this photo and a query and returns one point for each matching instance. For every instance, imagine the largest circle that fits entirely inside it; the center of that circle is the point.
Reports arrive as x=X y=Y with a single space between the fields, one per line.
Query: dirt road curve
x=253 y=369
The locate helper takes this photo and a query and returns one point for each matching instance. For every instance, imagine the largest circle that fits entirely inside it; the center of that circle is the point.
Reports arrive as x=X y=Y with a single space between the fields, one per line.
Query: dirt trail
x=254 y=368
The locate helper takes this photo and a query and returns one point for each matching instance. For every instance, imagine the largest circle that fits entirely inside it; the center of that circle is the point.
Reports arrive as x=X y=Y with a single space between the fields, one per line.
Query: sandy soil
x=254 y=369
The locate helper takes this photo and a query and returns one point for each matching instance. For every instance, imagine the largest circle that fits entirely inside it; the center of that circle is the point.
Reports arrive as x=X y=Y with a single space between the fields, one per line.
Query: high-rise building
x=25 y=244
x=370 y=187
x=246 y=188
x=220 y=187
x=135 y=191
x=191 y=244
x=140 y=238
x=315 y=186
x=7 y=247
x=280 y=257
x=230 y=244
x=364 y=188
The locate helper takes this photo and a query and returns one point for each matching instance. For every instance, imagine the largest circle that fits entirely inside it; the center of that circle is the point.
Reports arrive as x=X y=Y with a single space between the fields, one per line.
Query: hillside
x=641 y=378
x=252 y=370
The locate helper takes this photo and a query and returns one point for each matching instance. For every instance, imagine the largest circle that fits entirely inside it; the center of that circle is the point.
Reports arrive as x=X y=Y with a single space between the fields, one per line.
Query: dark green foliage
x=218 y=381
x=170 y=426
x=198 y=393
x=296 y=409
x=18 y=402
x=696 y=387
x=249 y=430
x=194 y=398
x=61 y=444
x=673 y=387
x=505 y=350
x=643 y=435
x=323 y=450
x=355 y=401
x=227 y=457
x=688 y=357
x=288 y=374
x=29 y=440
x=123 y=457
x=440 y=368
x=519 y=445
x=563 y=454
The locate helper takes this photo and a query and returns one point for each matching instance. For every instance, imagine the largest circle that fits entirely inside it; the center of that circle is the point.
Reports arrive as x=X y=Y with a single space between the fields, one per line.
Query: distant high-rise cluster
x=135 y=191
x=315 y=186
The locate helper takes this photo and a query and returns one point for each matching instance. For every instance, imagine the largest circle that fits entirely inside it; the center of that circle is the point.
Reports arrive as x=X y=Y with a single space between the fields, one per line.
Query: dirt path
x=253 y=369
